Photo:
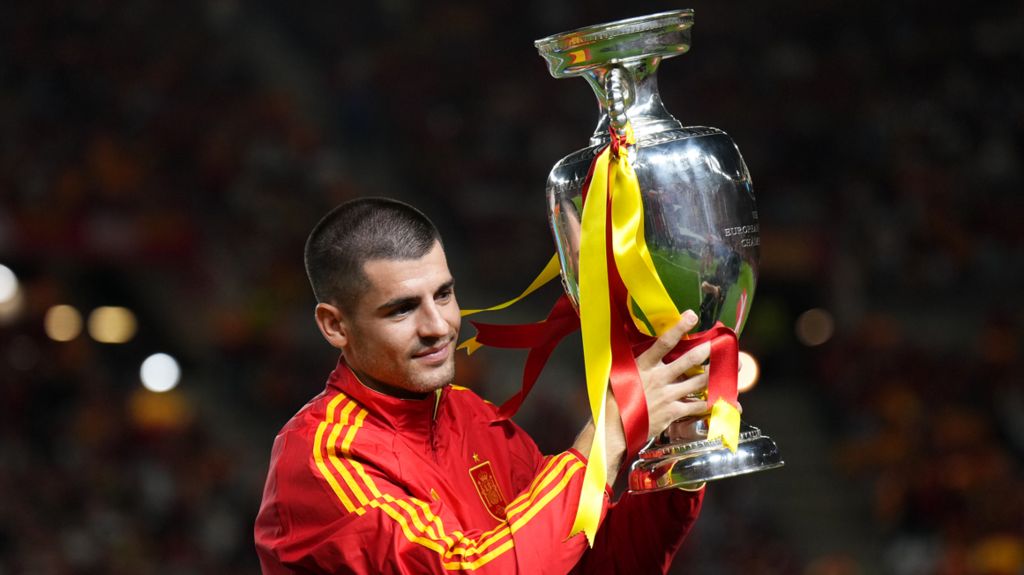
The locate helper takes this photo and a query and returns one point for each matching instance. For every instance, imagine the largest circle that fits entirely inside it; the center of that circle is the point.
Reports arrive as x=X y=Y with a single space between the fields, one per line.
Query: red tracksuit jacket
x=361 y=482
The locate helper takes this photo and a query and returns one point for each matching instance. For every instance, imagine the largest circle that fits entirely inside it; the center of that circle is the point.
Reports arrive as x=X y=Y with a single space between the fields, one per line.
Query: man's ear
x=331 y=321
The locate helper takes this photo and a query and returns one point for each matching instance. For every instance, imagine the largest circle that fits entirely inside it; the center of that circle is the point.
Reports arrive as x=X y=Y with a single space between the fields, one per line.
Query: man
x=392 y=469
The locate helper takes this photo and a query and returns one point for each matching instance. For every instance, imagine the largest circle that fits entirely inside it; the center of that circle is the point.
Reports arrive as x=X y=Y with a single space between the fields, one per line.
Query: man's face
x=401 y=335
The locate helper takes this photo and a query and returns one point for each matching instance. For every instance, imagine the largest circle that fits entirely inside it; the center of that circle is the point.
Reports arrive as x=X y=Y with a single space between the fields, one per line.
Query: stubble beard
x=434 y=378
x=413 y=379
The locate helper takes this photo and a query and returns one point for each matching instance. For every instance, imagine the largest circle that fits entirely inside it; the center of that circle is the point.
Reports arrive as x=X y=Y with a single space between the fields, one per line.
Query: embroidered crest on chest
x=487 y=487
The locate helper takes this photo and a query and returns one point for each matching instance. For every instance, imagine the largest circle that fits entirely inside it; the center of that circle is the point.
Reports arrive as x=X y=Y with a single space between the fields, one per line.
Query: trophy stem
x=629 y=91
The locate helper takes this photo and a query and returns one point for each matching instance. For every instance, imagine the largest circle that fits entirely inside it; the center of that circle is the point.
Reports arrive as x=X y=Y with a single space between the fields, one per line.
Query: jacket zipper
x=433 y=424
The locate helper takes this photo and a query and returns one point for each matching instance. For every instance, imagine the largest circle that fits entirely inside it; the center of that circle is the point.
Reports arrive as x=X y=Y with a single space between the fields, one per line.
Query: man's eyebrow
x=398 y=302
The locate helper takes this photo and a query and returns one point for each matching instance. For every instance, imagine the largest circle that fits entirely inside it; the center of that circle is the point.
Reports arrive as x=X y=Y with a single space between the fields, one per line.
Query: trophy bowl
x=699 y=214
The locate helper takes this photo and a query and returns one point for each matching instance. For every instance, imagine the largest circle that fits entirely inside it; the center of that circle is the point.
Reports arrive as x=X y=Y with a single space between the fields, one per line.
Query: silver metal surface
x=619 y=96
x=700 y=220
x=700 y=214
x=635 y=47
x=690 y=464
x=572 y=53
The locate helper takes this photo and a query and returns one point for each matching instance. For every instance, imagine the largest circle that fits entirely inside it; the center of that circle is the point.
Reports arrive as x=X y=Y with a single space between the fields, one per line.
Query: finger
x=676 y=411
x=693 y=408
x=689 y=386
x=690 y=359
x=667 y=341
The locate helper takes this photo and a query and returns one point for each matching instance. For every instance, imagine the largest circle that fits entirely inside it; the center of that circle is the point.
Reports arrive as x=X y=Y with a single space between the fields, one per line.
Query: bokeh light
x=814 y=327
x=12 y=308
x=12 y=298
x=62 y=323
x=160 y=372
x=750 y=372
x=110 y=324
x=8 y=284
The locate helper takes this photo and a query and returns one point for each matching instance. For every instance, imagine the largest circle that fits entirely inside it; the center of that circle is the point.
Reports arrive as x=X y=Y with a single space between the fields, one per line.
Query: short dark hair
x=358 y=231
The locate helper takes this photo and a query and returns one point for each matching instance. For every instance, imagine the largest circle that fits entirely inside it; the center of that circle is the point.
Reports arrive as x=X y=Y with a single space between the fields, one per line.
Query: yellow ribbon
x=724 y=424
x=595 y=323
x=630 y=248
x=549 y=273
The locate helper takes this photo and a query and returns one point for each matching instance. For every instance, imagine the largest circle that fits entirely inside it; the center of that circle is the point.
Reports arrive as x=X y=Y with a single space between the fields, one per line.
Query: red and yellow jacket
x=361 y=482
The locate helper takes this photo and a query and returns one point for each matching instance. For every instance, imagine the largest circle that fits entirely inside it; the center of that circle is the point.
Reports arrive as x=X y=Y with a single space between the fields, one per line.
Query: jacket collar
x=407 y=415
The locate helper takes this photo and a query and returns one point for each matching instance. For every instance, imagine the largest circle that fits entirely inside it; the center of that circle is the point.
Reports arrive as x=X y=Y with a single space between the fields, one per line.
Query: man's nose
x=432 y=323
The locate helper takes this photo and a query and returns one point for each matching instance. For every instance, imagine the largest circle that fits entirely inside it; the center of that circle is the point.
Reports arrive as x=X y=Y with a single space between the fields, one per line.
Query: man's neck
x=389 y=390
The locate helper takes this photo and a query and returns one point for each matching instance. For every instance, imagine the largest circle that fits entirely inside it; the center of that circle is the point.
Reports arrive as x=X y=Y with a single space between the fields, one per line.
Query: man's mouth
x=435 y=354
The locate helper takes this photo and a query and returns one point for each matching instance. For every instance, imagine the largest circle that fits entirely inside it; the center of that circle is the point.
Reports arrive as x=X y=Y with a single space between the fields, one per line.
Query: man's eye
x=400 y=311
x=444 y=296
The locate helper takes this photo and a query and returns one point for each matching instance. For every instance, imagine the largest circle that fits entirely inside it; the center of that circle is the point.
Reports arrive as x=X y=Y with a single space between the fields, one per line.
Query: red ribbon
x=540 y=338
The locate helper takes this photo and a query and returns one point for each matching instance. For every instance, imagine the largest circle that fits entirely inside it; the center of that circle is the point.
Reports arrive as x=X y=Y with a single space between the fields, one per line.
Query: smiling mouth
x=435 y=354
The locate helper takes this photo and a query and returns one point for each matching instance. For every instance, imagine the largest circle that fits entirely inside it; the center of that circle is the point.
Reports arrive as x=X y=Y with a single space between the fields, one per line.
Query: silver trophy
x=700 y=217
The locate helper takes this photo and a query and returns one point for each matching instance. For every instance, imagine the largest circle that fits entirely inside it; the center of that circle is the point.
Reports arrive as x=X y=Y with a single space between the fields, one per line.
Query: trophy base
x=690 y=464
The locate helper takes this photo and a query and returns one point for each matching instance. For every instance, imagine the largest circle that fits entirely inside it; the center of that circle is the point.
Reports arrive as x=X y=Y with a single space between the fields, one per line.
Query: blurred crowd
x=171 y=157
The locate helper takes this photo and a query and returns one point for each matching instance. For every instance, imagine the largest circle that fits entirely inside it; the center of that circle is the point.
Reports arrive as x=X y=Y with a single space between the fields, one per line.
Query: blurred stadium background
x=162 y=162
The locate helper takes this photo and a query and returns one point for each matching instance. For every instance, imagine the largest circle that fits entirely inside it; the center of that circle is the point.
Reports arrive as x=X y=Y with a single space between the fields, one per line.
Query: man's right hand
x=670 y=392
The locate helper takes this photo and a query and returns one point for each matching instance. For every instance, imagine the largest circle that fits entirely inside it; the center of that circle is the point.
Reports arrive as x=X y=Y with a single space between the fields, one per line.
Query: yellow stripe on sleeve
x=319 y=458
